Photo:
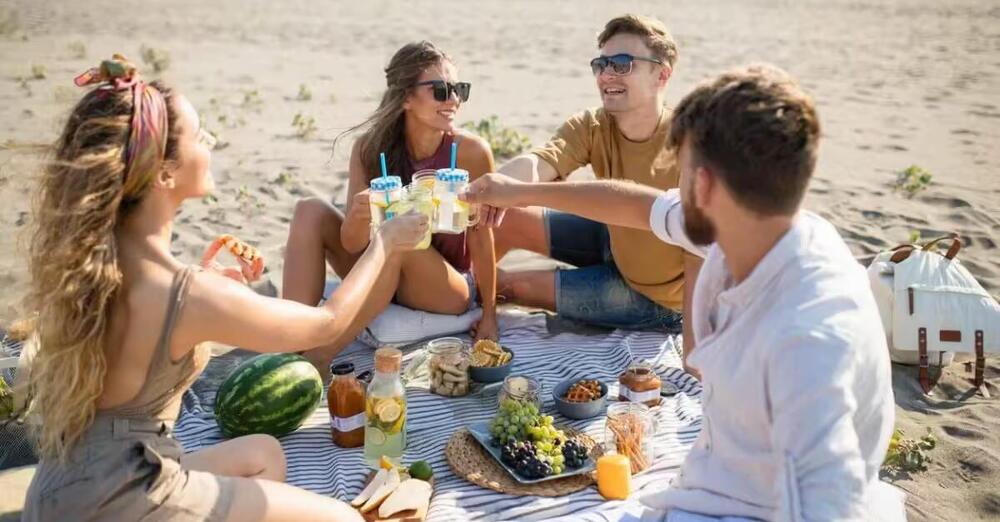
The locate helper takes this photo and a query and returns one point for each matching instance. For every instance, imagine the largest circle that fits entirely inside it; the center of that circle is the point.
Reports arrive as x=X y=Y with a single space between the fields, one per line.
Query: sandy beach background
x=898 y=83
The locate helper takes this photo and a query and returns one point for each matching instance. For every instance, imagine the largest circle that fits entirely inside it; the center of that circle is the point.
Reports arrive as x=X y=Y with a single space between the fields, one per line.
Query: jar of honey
x=346 y=401
x=640 y=384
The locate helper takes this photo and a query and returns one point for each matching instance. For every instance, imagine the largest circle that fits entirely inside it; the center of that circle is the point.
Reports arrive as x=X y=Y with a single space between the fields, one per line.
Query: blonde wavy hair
x=82 y=198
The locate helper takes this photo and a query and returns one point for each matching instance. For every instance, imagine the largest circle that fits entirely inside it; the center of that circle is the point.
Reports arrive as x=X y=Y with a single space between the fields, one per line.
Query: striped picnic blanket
x=315 y=464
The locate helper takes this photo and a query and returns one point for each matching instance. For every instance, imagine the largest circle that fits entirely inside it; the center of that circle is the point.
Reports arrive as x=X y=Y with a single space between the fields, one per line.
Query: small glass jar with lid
x=521 y=388
x=640 y=384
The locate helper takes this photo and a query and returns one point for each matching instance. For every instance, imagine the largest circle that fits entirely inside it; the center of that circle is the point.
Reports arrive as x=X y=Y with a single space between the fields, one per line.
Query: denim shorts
x=595 y=292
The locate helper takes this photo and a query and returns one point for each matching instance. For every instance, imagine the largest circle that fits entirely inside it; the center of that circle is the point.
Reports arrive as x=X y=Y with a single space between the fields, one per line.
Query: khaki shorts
x=126 y=469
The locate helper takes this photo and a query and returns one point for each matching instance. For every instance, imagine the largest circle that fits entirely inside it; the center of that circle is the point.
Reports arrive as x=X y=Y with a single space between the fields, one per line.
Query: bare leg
x=255 y=499
x=522 y=228
x=430 y=283
x=533 y=288
x=423 y=280
x=252 y=456
x=313 y=240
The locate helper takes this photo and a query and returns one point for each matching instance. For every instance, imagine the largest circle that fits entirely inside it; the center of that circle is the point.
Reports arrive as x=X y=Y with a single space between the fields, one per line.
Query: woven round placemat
x=469 y=460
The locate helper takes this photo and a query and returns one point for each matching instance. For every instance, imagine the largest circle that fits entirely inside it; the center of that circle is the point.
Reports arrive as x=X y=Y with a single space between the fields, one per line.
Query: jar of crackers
x=449 y=367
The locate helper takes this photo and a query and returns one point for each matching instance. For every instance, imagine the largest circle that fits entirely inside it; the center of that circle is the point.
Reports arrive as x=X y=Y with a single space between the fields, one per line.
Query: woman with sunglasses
x=414 y=125
x=121 y=323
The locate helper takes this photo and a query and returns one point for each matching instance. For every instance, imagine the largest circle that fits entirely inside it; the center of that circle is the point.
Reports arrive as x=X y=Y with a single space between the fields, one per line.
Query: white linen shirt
x=797 y=391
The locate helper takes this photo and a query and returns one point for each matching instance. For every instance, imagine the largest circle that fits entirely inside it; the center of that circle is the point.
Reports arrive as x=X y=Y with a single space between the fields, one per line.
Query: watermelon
x=270 y=393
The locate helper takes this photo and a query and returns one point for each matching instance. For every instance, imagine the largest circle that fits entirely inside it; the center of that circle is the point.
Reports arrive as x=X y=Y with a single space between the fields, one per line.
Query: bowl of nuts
x=580 y=398
x=489 y=362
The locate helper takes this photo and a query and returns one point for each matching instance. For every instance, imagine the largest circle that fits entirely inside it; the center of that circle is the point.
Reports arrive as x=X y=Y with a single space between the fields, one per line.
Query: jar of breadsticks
x=629 y=430
x=449 y=367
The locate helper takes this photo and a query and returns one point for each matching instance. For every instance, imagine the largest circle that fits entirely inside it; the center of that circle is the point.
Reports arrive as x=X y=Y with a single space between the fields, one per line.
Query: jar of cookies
x=449 y=367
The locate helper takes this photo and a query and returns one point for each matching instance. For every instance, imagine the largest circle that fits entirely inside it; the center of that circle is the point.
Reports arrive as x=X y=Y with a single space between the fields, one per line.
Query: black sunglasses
x=621 y=64
x=443 y=89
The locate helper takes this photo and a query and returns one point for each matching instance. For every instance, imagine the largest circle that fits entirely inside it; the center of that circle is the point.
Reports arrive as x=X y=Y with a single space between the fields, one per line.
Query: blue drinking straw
x=385 y=176
x=454 y=154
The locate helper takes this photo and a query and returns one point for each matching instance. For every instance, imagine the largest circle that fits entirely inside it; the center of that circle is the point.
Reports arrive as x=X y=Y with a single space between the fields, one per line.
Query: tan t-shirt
x=652 y=267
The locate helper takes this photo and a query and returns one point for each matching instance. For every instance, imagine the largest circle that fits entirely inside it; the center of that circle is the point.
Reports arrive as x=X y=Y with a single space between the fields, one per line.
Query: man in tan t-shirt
x=624 y=278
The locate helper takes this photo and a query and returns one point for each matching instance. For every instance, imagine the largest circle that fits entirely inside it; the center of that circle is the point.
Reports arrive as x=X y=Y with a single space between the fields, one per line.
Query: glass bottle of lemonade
x=385 y=410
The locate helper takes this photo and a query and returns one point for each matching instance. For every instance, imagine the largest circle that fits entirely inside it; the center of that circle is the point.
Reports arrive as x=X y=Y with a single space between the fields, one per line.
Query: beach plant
x=6 y=401
x=158 y=59
x=77 y=50
x=505 y=142
x=23 y=83
x=248 y=201
x=225 y=115
x=304 y=93
x=285 y=178
x=38 y=71
x=252 y=100
x=220 y=143
x=915 y=237
x=908 y=455
x=304 y=125
x=912 y=180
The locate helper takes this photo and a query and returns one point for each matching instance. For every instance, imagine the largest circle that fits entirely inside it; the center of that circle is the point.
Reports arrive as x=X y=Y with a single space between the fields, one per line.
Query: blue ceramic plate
x=481 y=432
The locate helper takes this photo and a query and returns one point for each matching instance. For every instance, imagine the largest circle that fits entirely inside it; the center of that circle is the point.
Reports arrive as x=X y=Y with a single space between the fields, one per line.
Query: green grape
x=557 y=470
x=558 y=460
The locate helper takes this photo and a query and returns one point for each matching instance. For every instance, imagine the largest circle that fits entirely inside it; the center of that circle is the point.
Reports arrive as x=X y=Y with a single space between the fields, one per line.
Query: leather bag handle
x=956 y=245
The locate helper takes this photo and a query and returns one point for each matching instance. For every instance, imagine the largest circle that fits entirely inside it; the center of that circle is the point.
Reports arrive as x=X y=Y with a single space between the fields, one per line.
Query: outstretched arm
x=608 y=201
x=612 y=202
x=223 y=311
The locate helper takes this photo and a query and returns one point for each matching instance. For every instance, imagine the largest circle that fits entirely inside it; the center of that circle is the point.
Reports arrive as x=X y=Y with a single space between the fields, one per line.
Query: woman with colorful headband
x=121 y=322
x=414 y=125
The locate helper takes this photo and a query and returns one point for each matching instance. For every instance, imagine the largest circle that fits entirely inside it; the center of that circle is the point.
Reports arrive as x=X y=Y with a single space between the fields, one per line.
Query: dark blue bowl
x=492 y=374
x=578 y=410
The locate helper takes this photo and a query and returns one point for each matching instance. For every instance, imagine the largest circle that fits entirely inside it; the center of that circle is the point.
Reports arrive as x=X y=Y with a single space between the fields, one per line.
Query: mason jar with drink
x=453 y=214
x=383 y=192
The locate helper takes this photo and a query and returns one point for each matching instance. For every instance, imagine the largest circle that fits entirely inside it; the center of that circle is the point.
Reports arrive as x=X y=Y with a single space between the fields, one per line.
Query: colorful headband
x=147 y=144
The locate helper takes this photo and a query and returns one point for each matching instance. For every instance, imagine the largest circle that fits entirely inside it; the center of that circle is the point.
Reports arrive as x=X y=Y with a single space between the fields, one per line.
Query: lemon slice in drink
x=375 y=436
x=388 y=411
x=385 y=463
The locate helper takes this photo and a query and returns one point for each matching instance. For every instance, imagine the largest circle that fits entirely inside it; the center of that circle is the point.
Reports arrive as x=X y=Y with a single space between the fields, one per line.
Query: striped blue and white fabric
x=316 y=464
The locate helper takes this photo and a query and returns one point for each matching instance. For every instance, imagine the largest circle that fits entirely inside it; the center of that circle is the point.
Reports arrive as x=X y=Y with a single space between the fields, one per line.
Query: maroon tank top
x=452 y=247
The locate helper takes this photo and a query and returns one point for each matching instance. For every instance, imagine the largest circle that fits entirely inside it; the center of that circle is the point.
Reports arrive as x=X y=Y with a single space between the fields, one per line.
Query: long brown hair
x=385 y=129
x=83 y=196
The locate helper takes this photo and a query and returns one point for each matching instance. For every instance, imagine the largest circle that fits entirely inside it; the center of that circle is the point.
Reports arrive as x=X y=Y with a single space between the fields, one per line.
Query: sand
x=897 y=84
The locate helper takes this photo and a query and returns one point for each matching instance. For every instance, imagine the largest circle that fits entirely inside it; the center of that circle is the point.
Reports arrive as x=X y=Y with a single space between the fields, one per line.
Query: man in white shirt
x=798 y=405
